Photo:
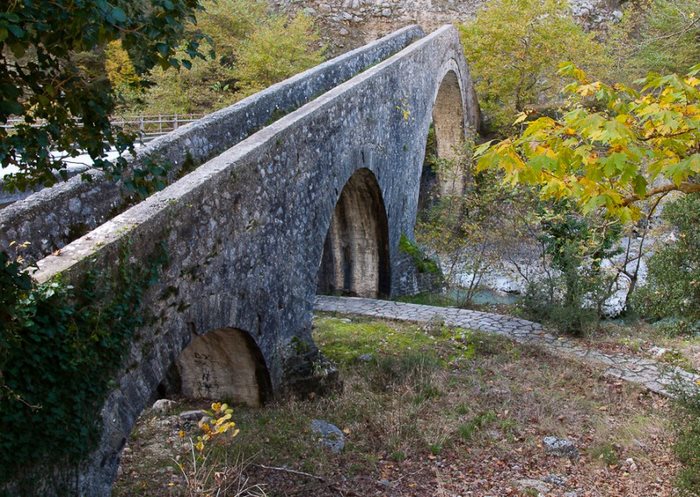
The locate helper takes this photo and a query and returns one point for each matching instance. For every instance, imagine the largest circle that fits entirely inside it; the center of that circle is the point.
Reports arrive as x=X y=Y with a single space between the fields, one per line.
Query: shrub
x=673 y=284
x=59 y=349
x=572 y=296
x=513 y=48
x=656 y=35
x=687 y=446
x=254 y=49
x=277 y=50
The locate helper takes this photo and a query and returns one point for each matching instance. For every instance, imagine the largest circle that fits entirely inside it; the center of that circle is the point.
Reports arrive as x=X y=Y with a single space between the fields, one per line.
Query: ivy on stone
x=60 y=347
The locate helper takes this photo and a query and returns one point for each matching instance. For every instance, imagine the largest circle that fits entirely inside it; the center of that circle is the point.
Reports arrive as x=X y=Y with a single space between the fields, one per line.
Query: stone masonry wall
x=53 y=217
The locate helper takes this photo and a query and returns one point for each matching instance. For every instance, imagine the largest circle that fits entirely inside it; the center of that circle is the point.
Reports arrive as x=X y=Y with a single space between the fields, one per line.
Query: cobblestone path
x=655 y=376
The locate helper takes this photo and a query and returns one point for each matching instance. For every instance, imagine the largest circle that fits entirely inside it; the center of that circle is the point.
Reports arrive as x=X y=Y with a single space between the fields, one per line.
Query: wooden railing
x=146 y=127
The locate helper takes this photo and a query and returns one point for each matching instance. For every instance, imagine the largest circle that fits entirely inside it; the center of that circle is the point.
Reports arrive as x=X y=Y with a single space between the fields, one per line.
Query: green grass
x=434 y=299
x=344 y=342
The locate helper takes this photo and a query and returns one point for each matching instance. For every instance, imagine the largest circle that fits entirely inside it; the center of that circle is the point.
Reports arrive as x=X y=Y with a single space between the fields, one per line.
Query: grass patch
x=475 y=405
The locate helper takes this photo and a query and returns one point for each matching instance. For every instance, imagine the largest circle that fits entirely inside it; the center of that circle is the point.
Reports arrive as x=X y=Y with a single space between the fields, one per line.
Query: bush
x=687 y=447
x=656 y=35
x=513 y=48
x=59 y=349
x=572 y=296
x=673 y=282
x=277 y=50
x=254 y=49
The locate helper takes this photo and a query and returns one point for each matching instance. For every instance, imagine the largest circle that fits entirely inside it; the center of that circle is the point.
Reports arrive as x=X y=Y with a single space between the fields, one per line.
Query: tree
x=52 y=77
x=513 y=48
x=255 y=49
x=612 y=147
x=656 y=35
x=276 y=51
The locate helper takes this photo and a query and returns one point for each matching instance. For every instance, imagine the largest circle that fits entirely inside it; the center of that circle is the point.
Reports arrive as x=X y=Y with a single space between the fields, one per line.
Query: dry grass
x=439 y=412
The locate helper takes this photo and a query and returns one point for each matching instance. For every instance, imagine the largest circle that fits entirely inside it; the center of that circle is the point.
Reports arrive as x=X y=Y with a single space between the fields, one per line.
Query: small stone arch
x=224 y=364
x=446 y=136
x=355 y=259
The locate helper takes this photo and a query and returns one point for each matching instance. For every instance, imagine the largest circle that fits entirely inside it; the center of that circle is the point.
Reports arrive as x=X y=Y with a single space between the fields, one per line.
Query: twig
x=291 y=471
x=333 y=486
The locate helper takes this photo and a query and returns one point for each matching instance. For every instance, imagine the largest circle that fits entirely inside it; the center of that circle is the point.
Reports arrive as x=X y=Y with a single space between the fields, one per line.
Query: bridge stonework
x=246 y=231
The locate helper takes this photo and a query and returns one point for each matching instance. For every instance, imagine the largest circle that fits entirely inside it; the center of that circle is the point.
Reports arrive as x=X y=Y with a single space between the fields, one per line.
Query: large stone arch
x=355 y=257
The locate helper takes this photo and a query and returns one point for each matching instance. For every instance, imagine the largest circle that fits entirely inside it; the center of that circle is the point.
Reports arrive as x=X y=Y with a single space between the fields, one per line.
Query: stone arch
x=224 y=364
x=447 y=131
x=355 y=258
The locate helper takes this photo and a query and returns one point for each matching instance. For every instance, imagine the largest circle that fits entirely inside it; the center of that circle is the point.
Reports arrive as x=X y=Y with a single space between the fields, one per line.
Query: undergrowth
x=60 y=346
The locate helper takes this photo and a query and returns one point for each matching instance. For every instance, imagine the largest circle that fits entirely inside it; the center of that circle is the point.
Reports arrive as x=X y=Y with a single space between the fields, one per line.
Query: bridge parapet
x=53 y=217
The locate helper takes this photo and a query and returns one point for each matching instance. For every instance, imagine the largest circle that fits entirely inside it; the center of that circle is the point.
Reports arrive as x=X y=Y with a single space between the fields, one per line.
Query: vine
x=60 y=347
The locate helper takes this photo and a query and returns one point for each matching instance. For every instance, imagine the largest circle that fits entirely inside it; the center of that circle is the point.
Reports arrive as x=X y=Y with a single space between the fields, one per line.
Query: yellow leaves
x=520 y=118
x=220 y=423
x=588 y=90
x=605 y=159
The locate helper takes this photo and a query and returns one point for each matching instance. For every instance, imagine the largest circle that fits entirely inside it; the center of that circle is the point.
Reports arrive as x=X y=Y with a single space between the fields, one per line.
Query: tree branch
x=686 y=187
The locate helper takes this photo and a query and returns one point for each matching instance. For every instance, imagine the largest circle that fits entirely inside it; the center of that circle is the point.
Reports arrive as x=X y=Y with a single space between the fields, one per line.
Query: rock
x=330 y=435
x=345 y=320
x=560 y=447
x=365 y=358
x=556 y=480
x=344 y=32
x=309 y=11
x=630 y=465
x=192 y=415
x=570 y=494
x=539 y=485
x=657 y=351
x=161 y=406
x=617 y=15
x=386 y=12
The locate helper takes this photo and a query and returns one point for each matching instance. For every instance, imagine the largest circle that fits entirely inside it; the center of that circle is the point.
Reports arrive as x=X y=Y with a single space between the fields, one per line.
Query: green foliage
x=423 y=263
x=687 y=447
x=572 y=296
x=606 y=453
x=613 y=147
x=673 y=282
x=52 y=76
x=254 y=50
x=276 y=51
x=656 y=35
x=513 y=48
x=473 y=426
x=59 y=349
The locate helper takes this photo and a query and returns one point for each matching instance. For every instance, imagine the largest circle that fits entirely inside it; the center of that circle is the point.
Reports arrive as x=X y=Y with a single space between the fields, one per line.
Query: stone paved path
x=655 y=376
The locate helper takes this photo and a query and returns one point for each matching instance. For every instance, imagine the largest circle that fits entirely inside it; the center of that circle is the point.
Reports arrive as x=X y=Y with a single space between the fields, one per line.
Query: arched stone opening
x=224 y=364
x=445 y=140
x=355 y=260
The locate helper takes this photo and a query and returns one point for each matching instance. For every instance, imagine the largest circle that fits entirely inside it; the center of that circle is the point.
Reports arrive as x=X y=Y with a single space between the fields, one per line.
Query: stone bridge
x=316 y=201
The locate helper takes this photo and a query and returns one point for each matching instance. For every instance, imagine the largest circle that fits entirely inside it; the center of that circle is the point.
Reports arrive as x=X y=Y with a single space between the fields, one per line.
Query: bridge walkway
x=652 y=375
